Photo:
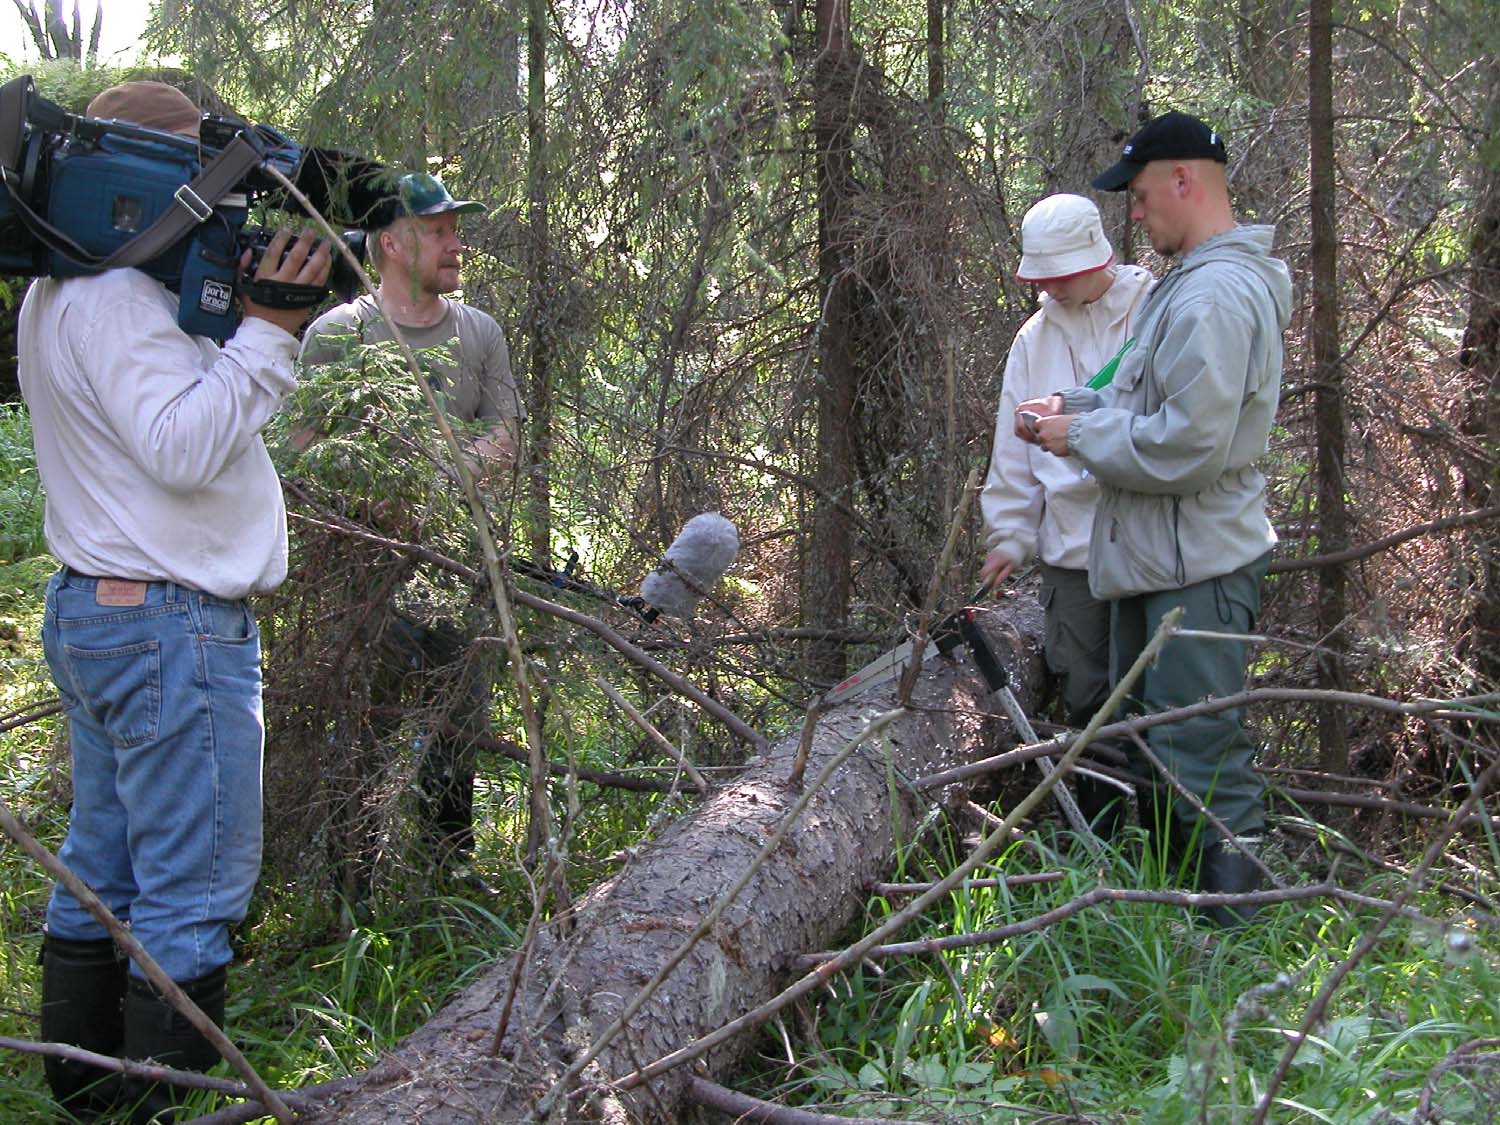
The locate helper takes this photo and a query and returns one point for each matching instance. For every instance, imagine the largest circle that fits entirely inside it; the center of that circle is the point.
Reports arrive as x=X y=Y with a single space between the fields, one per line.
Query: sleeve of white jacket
x=1181 y=447
x=182 y=422
x=1011 y=502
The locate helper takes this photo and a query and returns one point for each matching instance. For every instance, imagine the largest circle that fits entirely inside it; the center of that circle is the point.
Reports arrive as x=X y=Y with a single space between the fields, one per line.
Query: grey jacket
x=1174 y=439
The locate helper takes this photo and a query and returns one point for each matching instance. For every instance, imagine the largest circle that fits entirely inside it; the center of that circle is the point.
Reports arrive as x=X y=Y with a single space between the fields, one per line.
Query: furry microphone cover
x=699 y=555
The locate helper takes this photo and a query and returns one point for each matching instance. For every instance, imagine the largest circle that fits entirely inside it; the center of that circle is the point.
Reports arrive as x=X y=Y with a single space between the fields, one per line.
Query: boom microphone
x=697 y=558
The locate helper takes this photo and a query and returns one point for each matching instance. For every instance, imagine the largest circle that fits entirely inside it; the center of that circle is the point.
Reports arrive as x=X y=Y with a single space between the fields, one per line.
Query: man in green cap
x=418 y=253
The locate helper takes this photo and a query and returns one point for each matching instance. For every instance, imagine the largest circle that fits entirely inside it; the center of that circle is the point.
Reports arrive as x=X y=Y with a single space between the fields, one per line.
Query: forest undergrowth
x=653 y=255
x=1117 y=1011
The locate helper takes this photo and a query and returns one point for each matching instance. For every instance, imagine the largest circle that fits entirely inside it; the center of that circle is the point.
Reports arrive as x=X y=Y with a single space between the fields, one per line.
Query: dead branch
x=1374 y=547
x=148 y=1070
x=889 y=889
x=1188 y=900
x=935 y=587
x=1341 y=843
x=683 y=687
x=603 y=778
x=1319 y=1006
x=1421 y=708
x=164 y=984
x=1196 y=803
x=31 y=713
x=745 y=1108
x=656 y=736
x=1463 y=1053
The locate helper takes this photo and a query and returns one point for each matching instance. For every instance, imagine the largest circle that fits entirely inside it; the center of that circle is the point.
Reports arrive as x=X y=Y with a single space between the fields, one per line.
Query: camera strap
x=195 y=203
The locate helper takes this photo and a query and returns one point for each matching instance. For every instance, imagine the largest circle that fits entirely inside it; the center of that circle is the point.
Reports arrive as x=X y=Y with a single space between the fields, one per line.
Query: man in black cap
x=418 y=252
x=1181 y=520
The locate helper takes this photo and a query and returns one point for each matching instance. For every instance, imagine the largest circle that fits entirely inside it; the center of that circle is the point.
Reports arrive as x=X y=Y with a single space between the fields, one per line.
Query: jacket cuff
x=1075 y=431
x=1012 y=548
x=1078 y=400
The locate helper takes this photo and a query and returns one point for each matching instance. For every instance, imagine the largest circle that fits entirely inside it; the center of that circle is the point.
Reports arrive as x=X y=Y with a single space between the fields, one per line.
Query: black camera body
x=82 y=194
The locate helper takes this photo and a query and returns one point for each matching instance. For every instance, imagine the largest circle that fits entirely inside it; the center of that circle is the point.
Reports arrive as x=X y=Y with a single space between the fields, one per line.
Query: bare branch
x=164 y=984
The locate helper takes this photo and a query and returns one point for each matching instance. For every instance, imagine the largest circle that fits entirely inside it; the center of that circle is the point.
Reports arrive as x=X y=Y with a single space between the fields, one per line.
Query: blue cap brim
x=462 y=206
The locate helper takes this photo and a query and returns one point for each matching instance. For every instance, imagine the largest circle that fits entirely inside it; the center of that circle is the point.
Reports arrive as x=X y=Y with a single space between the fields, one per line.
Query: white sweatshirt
x=1034 y=503
x=148 y=439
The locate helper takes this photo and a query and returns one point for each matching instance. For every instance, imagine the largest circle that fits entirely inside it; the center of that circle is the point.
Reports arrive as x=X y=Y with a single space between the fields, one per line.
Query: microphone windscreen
x=697 y=558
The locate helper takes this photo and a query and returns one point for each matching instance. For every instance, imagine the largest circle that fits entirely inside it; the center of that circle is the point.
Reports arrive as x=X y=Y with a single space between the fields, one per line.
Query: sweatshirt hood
x=1116 y=303
x=1250 y=248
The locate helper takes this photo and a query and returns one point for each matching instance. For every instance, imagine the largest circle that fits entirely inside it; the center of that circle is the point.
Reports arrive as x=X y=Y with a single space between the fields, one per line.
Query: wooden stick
x=742 y=1107
x=652 y=733
x=934 y=588
x=164 y=984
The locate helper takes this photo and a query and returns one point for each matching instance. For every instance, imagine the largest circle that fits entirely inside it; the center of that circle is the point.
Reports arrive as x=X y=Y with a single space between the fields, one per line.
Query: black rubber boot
x=1170 y=839
x=1227 y=870
x=83 y=993
x=1102 y=805
x=155 y=1030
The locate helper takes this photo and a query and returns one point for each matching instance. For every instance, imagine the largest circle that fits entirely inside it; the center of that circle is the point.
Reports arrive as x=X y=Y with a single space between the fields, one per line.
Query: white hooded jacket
x=1034 y=503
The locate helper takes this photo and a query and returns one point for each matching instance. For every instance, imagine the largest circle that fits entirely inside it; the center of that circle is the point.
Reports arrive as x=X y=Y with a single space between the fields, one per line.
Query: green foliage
x=20 y=489
x=1136 y=1012
x=64 y=81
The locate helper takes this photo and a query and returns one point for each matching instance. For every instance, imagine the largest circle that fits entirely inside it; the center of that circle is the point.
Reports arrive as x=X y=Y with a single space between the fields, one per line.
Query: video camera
x=82 y=195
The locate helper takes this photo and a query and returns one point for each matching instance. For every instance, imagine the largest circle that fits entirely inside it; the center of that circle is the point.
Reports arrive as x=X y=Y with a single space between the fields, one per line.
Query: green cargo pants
x=1211 y=755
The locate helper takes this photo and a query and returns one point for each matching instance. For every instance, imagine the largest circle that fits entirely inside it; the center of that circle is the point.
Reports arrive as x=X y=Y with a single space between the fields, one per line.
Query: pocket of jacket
x=1146 y=539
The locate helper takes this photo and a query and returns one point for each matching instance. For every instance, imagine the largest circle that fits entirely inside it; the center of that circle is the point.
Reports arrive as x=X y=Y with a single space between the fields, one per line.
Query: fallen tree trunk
x=583 y=972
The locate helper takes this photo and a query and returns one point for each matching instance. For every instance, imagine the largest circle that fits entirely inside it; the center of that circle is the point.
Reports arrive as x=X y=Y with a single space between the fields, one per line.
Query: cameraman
x=165 y=511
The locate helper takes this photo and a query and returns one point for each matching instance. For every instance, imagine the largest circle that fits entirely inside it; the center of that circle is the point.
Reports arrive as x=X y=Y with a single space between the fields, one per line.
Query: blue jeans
x=163 y=700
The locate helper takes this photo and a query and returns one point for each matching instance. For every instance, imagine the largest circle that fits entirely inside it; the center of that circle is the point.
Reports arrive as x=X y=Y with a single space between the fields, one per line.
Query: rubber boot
x=83 y=994
x=1225 y=869
x=155 y=1030
x=1170 y=840
x=1102 y=805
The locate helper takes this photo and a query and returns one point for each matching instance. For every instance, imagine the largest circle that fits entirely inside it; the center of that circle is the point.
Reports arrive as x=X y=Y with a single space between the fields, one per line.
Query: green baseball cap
x=419 y=193
x=422 y=194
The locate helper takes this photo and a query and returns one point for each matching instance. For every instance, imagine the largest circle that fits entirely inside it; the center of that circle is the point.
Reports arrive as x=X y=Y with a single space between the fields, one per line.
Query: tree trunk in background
x=1480 y=355
x=935 y=57
x=55 y=39
x=828 y=558
x=624 y=931
x=1328 y=378
x=539 y=324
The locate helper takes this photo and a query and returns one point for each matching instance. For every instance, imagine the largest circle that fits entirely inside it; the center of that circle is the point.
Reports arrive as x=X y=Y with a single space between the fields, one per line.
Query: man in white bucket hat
x=1039 y=506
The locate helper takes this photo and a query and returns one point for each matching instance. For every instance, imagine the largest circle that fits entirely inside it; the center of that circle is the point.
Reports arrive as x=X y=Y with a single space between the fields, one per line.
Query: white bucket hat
x=1062 y=237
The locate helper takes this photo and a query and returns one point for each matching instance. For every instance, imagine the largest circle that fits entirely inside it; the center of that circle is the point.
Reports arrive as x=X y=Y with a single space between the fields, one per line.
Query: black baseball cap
x=1172 y=136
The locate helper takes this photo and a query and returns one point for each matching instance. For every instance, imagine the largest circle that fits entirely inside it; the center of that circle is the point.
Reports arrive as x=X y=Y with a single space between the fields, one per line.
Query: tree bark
x=1328 y=377
x=539 y=321
x=828 y=561
x=1480 y=356
x=584 y=971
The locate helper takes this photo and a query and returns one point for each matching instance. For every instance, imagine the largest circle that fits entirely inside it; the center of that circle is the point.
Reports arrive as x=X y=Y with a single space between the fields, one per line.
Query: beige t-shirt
x=478 y=384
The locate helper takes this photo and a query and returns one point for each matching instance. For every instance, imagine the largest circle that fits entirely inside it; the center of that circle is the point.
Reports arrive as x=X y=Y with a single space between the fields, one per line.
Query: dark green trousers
x=1211 y=755
x=1076 y=642
x=1077 y=651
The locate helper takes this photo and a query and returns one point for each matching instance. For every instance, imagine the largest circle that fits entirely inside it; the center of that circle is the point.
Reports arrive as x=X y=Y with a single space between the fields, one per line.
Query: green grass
x=1134 y=1012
